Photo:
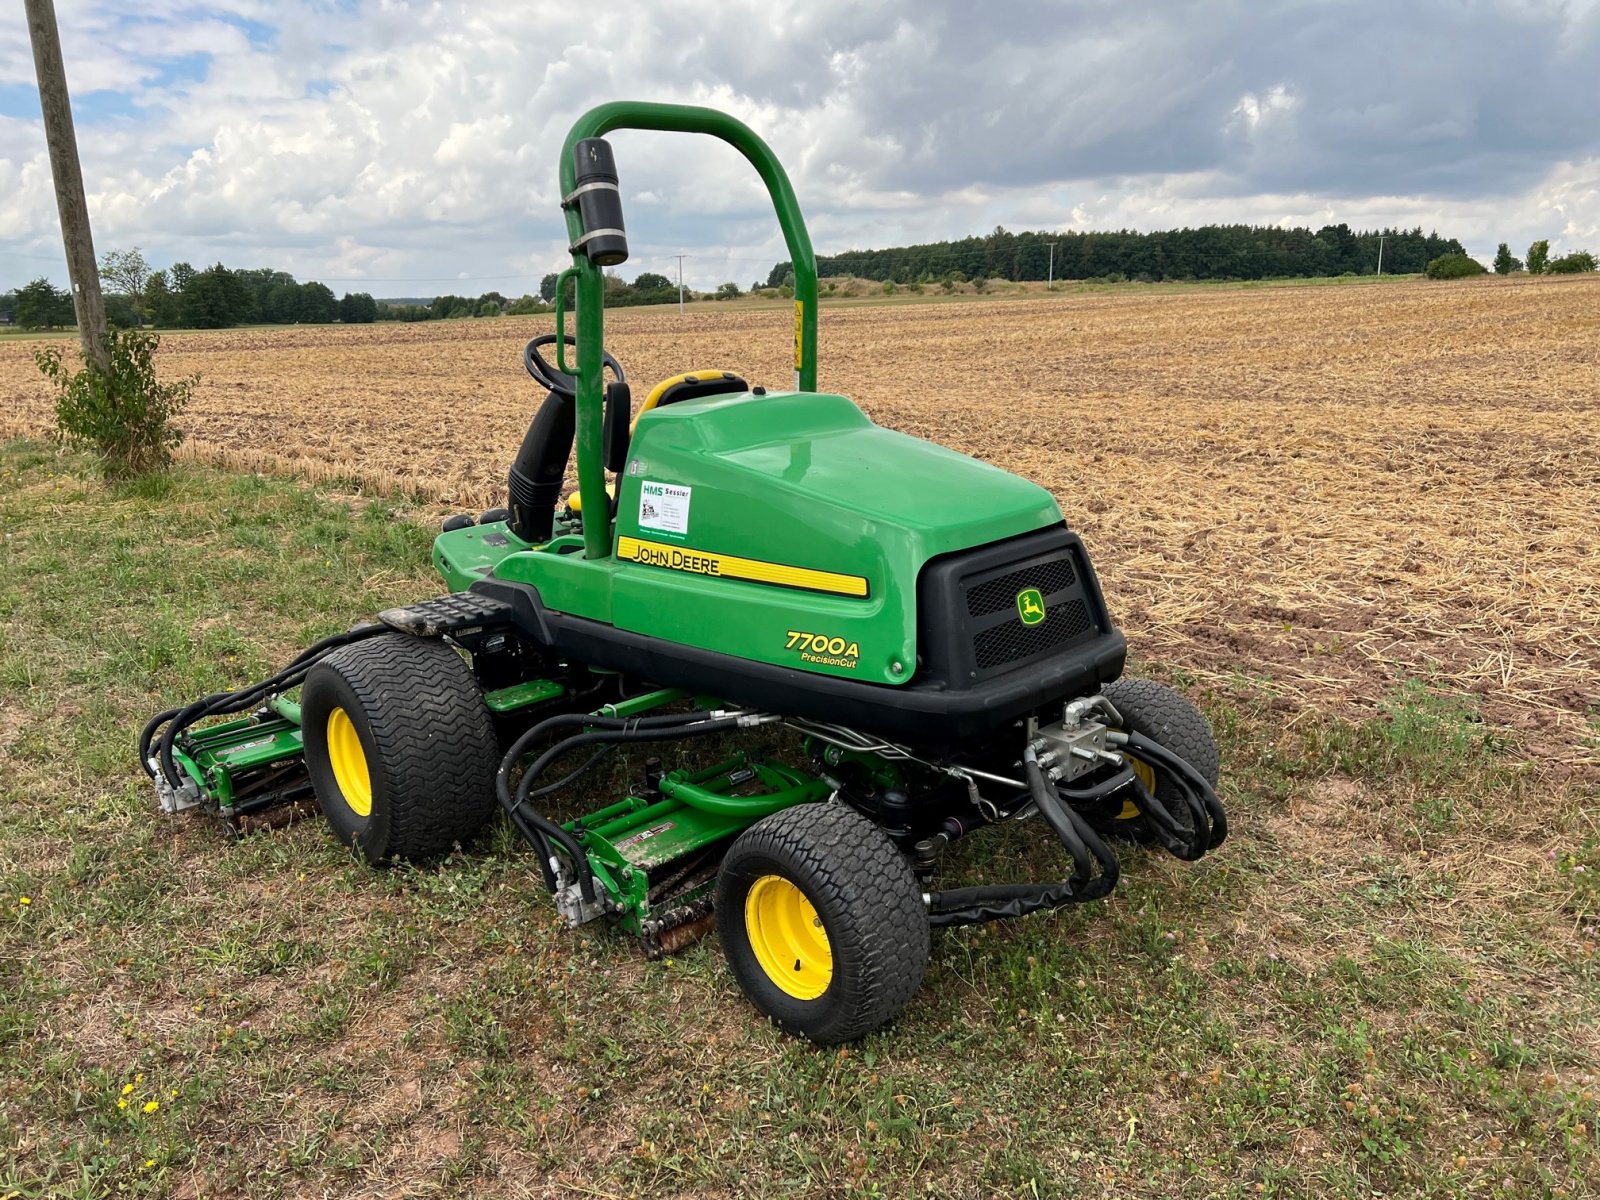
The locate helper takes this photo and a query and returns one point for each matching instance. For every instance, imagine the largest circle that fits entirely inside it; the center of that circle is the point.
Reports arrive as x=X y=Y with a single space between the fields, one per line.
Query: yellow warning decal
x=799 y=331
x=729 y=566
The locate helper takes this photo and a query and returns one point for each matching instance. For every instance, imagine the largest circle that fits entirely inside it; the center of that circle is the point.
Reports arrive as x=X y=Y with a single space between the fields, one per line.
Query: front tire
x=1163 y=715
x=822 y=922
x=400 y=747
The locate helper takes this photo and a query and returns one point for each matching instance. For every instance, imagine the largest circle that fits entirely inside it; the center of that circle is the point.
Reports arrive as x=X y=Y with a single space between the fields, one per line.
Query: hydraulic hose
x=542 y=833
x=968 y=906
x=1184 y=772
x=177 y=720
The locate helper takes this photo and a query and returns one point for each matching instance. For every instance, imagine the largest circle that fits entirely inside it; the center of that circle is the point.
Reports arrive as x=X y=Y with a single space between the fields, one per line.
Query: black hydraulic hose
x=1053 y=811
x=975 y=905
x=180 y=718
x=1162 y=757
x=1110 y=868
x=1187 y=844
x=533 y=733
x=532 y=826
x=542 y=832
x=969 y=906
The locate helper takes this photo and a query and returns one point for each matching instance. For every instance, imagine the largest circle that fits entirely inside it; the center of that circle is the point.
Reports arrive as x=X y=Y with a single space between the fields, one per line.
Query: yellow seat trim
x=660 y=390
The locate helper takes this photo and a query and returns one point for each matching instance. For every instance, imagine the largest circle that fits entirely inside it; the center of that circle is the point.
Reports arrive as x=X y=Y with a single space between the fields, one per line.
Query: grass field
x=1355 y=524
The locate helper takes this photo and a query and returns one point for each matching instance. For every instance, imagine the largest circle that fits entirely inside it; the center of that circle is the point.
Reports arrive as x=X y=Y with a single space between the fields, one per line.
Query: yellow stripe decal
x=729 y=566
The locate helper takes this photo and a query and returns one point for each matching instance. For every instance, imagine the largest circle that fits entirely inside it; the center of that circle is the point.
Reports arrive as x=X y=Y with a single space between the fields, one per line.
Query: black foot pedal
x=456 y=613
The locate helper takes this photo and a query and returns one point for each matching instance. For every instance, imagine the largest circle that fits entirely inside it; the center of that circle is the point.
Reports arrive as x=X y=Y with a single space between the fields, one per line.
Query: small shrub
x=124 y=417
x=1454 y=266
x=888 y=287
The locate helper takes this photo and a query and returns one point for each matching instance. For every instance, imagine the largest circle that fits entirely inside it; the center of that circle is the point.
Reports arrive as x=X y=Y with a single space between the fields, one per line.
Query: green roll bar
x=682 y=118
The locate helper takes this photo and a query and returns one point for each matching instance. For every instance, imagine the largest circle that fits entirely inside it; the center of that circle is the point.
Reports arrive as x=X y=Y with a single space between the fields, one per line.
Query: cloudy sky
x=410 y=148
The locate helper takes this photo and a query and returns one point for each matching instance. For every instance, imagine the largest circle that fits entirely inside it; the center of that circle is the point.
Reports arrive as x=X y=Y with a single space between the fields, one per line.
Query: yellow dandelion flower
x=122 y=1104
x=126 y=1088
x=152 y=1106
x=24 y=899
x=138 y=1078
x=148 y=1163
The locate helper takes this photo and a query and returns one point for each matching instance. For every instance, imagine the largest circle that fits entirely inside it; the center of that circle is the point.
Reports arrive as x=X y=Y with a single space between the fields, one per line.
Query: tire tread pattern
x=871 y=903
x=1167 y=716
x=435 y=746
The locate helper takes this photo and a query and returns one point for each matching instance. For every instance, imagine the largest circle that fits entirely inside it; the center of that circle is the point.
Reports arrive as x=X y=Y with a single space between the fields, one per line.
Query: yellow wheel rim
x=788 y=938
x=1147 y=776
x=349 y=762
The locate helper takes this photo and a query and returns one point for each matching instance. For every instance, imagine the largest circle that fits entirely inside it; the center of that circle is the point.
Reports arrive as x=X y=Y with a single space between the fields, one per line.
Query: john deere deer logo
x=1030 y=606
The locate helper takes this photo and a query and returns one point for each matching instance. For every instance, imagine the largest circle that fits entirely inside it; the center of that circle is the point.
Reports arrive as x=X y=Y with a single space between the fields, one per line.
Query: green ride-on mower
x=926 y=625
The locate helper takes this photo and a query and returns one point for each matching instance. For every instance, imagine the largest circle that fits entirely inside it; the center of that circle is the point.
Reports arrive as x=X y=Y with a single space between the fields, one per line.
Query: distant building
x=7 y=319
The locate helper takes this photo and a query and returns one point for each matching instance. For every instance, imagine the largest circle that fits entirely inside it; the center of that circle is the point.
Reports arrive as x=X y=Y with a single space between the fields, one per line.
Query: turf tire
x=870 y=906
x=427 y=736
x=1165 y=716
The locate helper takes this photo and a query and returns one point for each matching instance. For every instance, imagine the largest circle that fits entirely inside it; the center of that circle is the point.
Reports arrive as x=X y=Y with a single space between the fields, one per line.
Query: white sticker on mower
x=664 y=506
x=644 y=835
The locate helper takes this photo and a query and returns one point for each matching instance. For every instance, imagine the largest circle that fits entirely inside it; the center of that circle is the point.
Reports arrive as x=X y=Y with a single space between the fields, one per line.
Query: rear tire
x=1166 y=716
x=400 y=747
x=822 y=922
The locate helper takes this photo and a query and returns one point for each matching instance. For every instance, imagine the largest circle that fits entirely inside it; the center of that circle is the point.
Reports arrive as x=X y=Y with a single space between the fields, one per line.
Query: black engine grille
x=1063 y=625
x=998 y=594
x=969 y=625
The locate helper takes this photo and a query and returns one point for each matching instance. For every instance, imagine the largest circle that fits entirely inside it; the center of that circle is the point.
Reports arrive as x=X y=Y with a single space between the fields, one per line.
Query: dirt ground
x=1331 y=490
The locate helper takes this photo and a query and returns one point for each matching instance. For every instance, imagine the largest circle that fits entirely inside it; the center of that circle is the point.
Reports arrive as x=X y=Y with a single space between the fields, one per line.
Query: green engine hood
x=764 y=525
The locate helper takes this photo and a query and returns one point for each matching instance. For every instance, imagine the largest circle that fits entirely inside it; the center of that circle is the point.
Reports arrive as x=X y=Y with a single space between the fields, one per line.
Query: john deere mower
x=923 y=631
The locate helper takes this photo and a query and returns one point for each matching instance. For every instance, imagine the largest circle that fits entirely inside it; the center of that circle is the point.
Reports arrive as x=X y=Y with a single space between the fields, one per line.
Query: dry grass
x=1336 y=488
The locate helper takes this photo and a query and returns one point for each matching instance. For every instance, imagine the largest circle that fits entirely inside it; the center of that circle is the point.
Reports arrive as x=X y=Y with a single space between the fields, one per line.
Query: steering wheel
x=547 y=376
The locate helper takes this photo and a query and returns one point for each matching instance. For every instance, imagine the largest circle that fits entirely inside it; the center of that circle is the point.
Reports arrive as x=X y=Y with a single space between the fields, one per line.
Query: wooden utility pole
x=56 y=106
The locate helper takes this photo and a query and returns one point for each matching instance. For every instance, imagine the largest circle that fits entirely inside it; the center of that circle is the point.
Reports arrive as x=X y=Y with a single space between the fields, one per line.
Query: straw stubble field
x=1332 y=490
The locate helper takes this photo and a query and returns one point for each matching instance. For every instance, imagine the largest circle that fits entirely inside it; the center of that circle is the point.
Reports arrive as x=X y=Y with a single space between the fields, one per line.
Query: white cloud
x=406 y=142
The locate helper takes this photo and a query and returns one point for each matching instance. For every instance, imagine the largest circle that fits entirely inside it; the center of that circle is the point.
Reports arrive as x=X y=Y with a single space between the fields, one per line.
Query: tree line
x=182 y=296
x=1205 y=252
x=219 y=297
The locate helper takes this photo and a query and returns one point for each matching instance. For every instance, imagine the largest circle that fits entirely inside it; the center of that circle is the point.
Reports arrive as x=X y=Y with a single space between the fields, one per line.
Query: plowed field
x=1331 y=490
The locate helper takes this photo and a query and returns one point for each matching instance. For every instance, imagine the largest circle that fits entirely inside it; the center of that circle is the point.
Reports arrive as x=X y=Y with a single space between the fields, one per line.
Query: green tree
x=547 y=288
x=125 y=416
x=42 y=305
x=1538 y=257
x=160 y=301
x=358 y=308
x=1575 y=263
x=728 y=291
x=649 y=281
x=1506 y=263
x=214 y=299
x=280 y=305
x=179 y=276
x=316 y=304
x=127 y=272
